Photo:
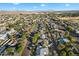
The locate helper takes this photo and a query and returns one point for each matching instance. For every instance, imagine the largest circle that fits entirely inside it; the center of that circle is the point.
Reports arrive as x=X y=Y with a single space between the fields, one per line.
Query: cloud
x=34 y=7
x=13 y=8
x=67 y=5
x=43 y=5
x=16 y=3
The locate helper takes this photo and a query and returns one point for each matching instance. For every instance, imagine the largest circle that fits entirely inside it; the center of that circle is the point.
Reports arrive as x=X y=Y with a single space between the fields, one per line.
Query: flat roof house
x=42 y=51
x=3 y=36
x=63 y=40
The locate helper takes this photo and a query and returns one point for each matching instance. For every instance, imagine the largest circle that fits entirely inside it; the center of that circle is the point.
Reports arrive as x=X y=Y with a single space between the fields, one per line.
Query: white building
x=3 y=36
x=42 y=51
x=63 y=40
x=77 y=31
x=11 y=31
x=2 y=29
x=43 y=36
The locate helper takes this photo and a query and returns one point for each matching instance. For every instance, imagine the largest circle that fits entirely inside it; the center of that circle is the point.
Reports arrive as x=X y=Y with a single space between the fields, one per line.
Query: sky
x=38 y=6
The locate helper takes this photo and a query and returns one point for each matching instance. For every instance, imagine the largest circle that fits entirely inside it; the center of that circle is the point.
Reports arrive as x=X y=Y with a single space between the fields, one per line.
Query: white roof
x=77 y=31
x=42 y=36
x=44 y=51
x=66 y=40
x=3 y=36
x=11 y=31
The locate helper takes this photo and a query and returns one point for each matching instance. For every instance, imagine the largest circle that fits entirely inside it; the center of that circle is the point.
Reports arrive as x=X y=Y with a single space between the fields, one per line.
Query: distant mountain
x=41 y=12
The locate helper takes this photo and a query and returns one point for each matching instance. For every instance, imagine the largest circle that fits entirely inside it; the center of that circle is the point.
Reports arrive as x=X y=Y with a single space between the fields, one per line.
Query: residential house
x=40 y=51
x=43 y=36
x=4 y=36
x=75 y=33
x=63 y=40
x=13 y=43
x=11 y=31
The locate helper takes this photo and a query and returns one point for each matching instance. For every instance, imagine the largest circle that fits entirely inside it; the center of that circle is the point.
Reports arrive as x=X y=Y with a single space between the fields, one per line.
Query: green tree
x=36 y=36
x=19 y=47
x=67 y=49
x=10 y=51
x=69 y=28
x=71 y=53
x=62 y=53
